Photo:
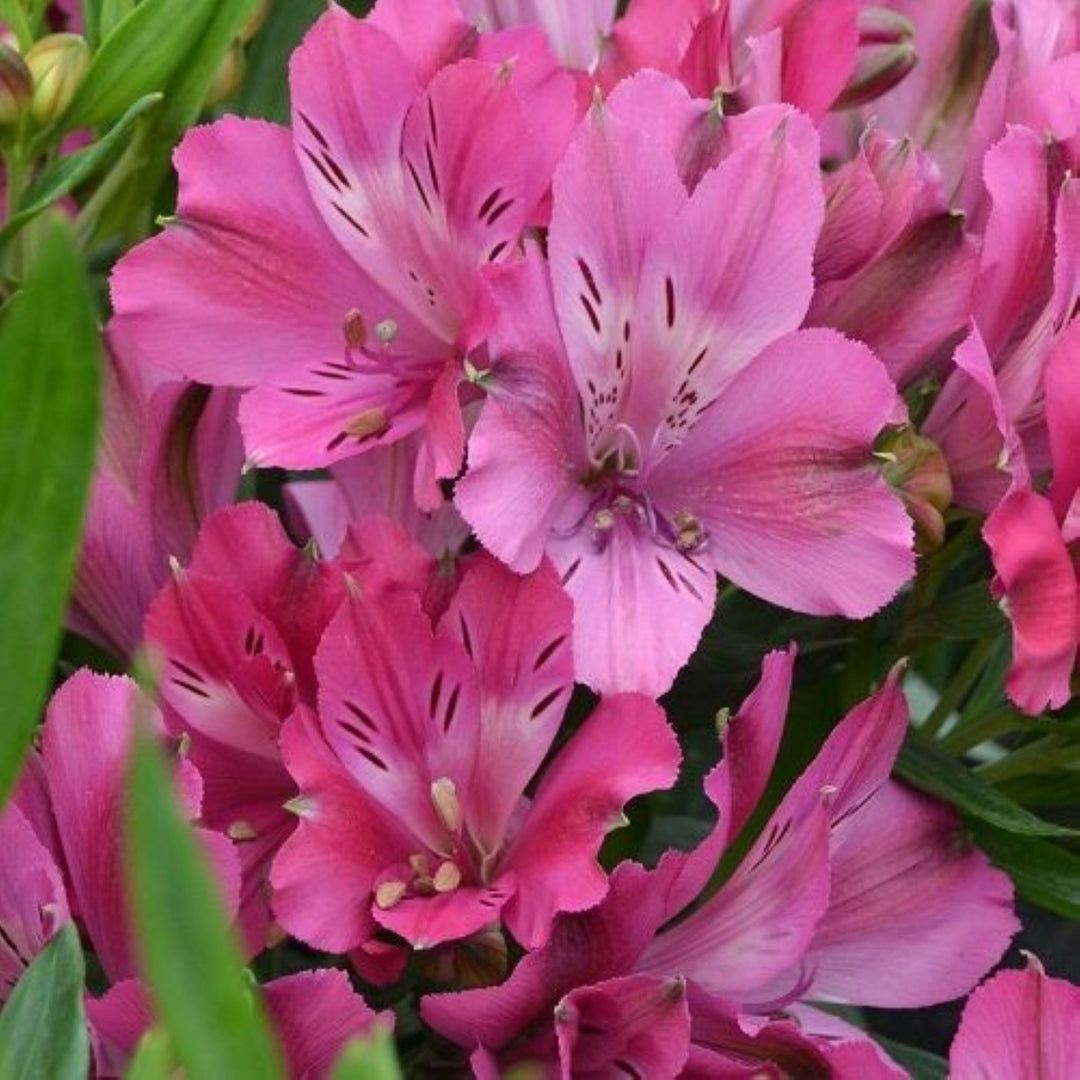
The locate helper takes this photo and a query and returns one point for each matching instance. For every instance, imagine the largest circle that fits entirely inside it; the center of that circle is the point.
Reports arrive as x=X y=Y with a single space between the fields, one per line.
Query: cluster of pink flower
x=579 y=288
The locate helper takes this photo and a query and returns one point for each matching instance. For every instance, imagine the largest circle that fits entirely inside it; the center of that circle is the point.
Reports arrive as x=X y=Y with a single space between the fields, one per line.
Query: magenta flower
x=235 y=633
x=811 y=912
x=412 y=816
x=342 y=287
x=1017 y=1025
x=654 y=419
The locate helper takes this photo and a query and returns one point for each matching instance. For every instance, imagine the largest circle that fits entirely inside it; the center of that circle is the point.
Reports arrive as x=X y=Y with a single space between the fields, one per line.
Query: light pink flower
x=342 y=286
x=1017 y=1025
x=653 y=418
x=811 y=912
x=412 y=815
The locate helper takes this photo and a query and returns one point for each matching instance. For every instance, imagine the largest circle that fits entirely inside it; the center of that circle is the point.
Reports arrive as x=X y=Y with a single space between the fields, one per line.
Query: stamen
x=447 y=878
x=447 y=806
x=389 y=893
x=355 y=329
x=386 y=331
x=367 y=424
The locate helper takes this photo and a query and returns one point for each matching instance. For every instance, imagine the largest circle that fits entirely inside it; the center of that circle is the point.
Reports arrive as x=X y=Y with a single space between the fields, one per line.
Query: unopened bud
x=58 y=64
x=229 y=75
x=16 y=85
x=917 y=469
x=883 y=26
x=255 y=22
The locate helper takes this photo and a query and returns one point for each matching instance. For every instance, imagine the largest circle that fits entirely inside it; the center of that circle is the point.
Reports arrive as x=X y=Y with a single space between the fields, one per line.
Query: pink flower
x=170 y=454
x=412 y=816
x=235 y=634
x=342 y=286
x=1017 y=1025
x=1035 y=543
x=654 y=419
x=811 y=912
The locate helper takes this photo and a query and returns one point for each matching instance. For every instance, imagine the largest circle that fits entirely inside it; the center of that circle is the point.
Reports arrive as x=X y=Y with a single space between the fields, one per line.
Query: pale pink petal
x=247 y=277
x=399 y=706
x=324 y=874
x=715 y=289
x=1017 y=1025
x=625 y=748
x=521 y=452
x=316 y=1013
x=1042 y=596
x=639 y=608
x=637 y=1025
x=929 y=942
x=780 y=476
x=430 y=33
x=516 y=629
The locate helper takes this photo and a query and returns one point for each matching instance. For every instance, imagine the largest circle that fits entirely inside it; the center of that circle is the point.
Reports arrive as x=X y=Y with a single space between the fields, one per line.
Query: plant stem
x=958 y=686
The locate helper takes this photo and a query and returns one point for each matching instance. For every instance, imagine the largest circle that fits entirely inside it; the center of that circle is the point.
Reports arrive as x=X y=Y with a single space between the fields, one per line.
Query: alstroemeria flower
x=811 y=912
x=236 y=634
x=654 y=419
x=342 y=285
x=1035 y=543
x=169 y=454
x=1017 y=1025
x=412 y=815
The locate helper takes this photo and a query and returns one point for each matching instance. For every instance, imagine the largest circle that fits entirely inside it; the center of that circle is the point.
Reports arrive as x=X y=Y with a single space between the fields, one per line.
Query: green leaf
x=920 y=1063
x=190 y=959
x=1045 y=873
x=141 y=56
x=154 y=1058
x=43 y=1024
x=928 y=769
x=371 y=1058
x=965 y=614
x=49 y=360
x=265 y=93
x=69 y=172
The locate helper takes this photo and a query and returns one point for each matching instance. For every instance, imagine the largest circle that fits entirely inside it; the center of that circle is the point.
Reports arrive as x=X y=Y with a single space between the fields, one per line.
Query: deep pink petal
x=1042 y=597
x=779 y=473
x=637 y=1025
x=661 y=600
x=316 y=1013
x=1017 y=1025
x=399 y=706
x=430 y=33
x=117 y=1021
x=1063 y=418
x=626 y=748
x=248 y=277
x=847 y=1048
x=427 y=921
x=33 y=903
x=517 y=631
x=970 y=424
x=820 y=41
x=324 y=874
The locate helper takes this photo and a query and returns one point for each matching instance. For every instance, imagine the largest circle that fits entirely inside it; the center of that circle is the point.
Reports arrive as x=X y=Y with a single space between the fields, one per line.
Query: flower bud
x=918 y=471
x=229 y=75
x=882 y=26
x=877 y=70
x=16 y=85
x=58 y=63
x=255 y=22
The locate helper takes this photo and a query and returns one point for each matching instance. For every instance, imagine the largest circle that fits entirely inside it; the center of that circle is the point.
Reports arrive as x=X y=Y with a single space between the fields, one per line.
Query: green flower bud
x=229 y=75
x=16 y=85
x=58 y=63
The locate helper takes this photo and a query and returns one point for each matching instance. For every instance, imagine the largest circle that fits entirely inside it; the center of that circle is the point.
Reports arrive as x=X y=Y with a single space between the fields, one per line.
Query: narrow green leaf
x=49 y=360
x=928 y=769
x=190 y=959
x=139 y=57
x=1045 y=873
x=43 y=1024
x=69 y=172
x=373 y=1058
x=920 y=1063
x=965 y=614
x=154 y=1058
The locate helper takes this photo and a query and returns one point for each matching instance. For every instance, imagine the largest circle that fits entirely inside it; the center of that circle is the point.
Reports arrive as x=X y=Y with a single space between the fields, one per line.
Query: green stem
x=987 y=726
x=958 y=687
